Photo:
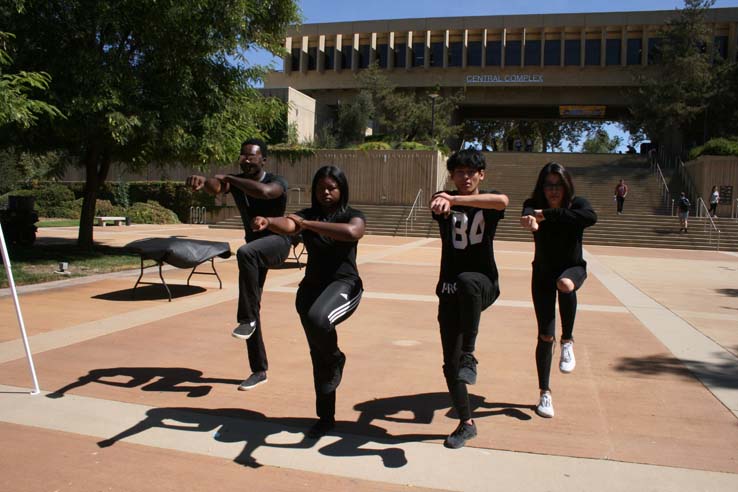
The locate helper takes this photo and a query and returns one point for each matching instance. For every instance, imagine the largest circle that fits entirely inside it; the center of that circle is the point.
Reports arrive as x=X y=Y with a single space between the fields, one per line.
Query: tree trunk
x=97 y=163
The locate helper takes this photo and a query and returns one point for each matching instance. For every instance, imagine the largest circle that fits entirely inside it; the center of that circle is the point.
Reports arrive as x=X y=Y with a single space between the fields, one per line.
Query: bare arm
x=212 y=185
x=442 y=201
x=253 y=188
x=280 y=225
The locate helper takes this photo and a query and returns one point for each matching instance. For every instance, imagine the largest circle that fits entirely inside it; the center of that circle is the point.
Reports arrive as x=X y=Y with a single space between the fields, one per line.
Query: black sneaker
x=467 y=369
x=253 y=381
x=333 y=375
x=320 y=428
x=244 y=330
x=463 y=433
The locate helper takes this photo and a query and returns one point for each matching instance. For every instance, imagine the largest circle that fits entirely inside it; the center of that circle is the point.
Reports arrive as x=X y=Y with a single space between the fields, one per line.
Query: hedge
x=716 y=146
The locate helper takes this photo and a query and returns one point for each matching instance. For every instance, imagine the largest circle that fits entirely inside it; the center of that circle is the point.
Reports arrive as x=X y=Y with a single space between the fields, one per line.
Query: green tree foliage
x=147 y=80
x=416 y=107
x=599 y=142
x=546 y=135
x=675 y=96
x=352 y=119
x=17 y=106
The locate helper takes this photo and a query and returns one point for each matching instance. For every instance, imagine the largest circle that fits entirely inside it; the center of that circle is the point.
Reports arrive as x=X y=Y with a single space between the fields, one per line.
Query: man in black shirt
x=256 y=193
x=468 y=283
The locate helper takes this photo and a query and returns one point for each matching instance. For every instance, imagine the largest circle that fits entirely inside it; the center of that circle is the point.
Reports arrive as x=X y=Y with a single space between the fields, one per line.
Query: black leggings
x=543 y=287
x=458 y=317
x=713 y=209
x=320 y=310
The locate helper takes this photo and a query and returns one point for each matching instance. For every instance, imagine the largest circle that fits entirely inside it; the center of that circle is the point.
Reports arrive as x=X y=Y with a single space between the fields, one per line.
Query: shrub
x=151 y=212
x=375 y=146
x=51 y=200
x=716 y=146
x=413 y=146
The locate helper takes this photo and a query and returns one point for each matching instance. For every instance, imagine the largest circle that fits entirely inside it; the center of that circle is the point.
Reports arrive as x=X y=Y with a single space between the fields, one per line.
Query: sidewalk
x=141 y=395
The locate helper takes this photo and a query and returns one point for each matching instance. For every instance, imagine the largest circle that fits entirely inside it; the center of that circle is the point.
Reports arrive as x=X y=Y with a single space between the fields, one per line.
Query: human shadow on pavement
x=154 y=292
x=728 y=292
x=169 y=379
x=723 y=374
x=230 y=425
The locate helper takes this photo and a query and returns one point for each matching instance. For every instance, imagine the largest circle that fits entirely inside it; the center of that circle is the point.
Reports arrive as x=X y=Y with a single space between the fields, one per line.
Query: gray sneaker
x=244 y=330
x=253 y=381
x=467 y=369
x=463 y=433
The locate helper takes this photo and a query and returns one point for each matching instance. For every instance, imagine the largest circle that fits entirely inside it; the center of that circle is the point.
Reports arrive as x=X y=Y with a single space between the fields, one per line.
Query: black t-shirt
x=466 y=239
x=251 y=207
x=329 y=259
x=559 y=237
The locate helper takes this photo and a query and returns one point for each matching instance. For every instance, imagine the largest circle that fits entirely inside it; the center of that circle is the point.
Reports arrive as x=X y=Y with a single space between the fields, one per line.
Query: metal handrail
x=198 y=215
x=413 y=212
x=664 y=188
x=299 y=193
x=702 y=207
x=686 y=179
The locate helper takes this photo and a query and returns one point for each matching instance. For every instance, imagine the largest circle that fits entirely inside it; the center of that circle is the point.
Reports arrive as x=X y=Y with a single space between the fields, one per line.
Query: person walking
x=468 y=282
x=256 y=193
x=714 y=200
x=621 y=191
x=557 y=218
x=331 y=290
x=683 y=205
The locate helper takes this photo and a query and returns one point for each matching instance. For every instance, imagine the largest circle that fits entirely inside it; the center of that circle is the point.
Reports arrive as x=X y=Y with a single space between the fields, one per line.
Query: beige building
x=519 y=66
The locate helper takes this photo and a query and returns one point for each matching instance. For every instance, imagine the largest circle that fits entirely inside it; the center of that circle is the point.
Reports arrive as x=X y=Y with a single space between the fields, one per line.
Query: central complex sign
x=515 y=78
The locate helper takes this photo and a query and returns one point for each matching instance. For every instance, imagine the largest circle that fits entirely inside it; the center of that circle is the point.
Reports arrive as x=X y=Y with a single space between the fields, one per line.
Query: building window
x=552 y=52
x=312 y=58
x=436 y=54
x=572 y=52
x=400 y=55
x=721 y=47
x=635 y=48
x=330 y=57
x=474 y=54
x=513 y=53
x=382 y=55
x=363 y=54
x=654 y=50
x=612 y=52
x=418 y=54
x=295 y=59
x=532 y=53
x=494 y=54
x=592 y=52
x=455 y=53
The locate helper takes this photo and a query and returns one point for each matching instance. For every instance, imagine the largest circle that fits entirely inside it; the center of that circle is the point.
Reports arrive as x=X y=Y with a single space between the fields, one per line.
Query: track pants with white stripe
x=320 y=310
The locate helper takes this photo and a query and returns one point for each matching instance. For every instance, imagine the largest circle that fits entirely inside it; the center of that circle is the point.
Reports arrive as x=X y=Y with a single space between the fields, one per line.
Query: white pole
x=11 y=283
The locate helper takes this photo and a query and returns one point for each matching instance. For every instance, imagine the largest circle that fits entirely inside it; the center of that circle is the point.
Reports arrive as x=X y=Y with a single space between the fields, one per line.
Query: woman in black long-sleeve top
x=557 y=218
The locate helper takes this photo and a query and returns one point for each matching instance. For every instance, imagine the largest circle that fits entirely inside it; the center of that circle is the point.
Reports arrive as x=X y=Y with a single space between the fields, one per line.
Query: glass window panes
x=436 y=54
x=635 y=47
x=382 y=55
x=455 y=53
x=513 y=53
x=653 y=50
x=572 y=52
x=592 y=53
x=363 y=54
x=400 y=55
x=312 y=58
x=474 y=54
x=418 y=54
x=494 y=53
x=330 y=57
x=721 y=47
x=612 y=52
x=552 y=52
x=532 y=52
x=295 y=59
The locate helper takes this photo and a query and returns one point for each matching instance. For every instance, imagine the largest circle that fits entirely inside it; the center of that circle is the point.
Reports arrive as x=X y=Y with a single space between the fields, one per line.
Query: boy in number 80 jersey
x=468 y=282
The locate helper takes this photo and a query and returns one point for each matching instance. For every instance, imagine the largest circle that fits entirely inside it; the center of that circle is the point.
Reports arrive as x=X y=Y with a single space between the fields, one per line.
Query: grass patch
x=58 y=223
x=37 y=264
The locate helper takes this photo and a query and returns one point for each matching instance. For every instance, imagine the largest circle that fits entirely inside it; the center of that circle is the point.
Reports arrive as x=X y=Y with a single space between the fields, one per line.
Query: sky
x=315 y=11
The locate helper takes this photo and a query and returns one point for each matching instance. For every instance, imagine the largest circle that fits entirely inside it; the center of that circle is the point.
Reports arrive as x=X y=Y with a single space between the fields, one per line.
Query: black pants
x=713 y=209
x=321 y=309
x=254 y=260
x=543 y=287
x=621 y=201
x=458 y=318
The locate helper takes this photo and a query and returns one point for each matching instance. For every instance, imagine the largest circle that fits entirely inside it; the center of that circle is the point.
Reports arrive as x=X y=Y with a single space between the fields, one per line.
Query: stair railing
x=198 y=215
x=710 y=226
x=413 y=211
x=687 y=180
x=665 y=195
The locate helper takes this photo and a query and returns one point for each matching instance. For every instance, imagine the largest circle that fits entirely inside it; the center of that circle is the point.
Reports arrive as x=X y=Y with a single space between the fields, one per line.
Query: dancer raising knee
x=557 y=218
x=331 y=290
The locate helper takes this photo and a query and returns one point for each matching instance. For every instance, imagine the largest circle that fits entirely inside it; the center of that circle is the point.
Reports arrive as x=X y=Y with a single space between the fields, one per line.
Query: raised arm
x=255 y=189
x=212 y=185
x=353 y=230
x=580 y=213
x=442 y=202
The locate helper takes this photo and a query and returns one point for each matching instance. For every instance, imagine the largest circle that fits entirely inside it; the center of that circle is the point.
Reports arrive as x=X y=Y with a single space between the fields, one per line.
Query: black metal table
x=178 y=252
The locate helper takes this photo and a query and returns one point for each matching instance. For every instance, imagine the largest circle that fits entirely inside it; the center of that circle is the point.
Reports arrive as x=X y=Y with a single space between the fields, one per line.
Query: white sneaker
x=545 y=406
x=567 y=363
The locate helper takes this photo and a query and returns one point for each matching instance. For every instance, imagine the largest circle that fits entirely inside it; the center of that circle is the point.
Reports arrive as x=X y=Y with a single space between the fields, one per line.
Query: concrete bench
x=101 y=221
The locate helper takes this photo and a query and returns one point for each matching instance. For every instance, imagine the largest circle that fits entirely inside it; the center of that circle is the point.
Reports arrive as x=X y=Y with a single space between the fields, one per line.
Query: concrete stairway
x=645 y=223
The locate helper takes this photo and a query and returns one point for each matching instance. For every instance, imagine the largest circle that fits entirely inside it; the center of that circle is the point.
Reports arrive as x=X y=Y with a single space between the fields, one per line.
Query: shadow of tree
x=151 y=293
x=170 y=379
x=723 y=374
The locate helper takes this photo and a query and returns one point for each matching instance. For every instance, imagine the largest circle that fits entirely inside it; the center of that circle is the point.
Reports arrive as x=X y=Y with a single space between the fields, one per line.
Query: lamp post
x=433 y=96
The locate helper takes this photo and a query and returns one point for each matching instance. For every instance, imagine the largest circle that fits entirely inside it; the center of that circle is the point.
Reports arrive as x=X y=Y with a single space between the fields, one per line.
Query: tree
x=545 y=134
x=418 y=111
x=599 y=142
x=352 y=119
x=146 y=80
x=672 y=98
